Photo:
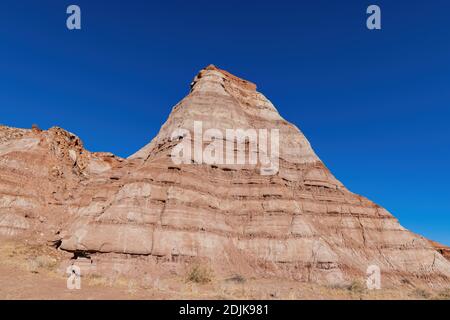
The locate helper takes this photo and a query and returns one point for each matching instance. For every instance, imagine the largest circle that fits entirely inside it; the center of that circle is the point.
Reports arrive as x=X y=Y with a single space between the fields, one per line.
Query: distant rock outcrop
x=300 y=222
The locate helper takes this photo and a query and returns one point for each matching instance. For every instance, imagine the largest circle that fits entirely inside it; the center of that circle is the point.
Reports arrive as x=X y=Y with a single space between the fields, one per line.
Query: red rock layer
x=301 y=222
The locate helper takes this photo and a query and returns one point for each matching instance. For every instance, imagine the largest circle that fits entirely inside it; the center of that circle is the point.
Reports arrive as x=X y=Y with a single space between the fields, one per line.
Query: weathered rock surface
x=40 y=174
x=300 y=223
x=444 y=250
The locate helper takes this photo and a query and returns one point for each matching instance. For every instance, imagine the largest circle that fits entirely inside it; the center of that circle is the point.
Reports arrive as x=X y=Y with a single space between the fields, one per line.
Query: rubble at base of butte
x=147 y=213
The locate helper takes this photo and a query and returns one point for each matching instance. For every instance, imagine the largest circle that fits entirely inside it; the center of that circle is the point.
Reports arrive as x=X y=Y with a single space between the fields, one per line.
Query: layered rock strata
x=299 y=222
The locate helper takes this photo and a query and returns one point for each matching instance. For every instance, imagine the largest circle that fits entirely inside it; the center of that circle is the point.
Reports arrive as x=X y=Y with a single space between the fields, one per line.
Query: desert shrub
x=421 y=293
x=199 y=274
x=41 y=262
x=338 y=286
x=132 y=286
x=356 y=287
x=444 y=294
x=95 y=279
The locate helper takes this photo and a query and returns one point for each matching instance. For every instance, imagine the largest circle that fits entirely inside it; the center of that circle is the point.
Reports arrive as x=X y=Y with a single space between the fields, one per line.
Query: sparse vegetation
x=95 y=279
x=199 y=274
x=132 y=287
x=42 y=263
x=356 y=287
x=421 y=293
x=444 y=294
x=337 y=286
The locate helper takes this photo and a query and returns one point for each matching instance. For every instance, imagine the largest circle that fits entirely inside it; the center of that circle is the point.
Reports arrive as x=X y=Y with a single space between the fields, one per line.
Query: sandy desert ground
x=33 y=272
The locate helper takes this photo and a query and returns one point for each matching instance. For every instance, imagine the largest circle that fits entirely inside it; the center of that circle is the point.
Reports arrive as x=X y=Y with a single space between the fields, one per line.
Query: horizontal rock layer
x=301 y=219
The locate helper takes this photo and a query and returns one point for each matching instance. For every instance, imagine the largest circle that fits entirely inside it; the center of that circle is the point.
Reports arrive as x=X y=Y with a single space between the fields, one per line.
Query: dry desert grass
x=32 y=272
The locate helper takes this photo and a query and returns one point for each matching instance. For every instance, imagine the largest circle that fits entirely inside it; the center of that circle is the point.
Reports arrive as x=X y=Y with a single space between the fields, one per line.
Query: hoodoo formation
x=146 y=212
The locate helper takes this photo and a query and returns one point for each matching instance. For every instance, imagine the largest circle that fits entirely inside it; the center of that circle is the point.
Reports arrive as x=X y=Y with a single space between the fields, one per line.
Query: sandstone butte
x=145 y=213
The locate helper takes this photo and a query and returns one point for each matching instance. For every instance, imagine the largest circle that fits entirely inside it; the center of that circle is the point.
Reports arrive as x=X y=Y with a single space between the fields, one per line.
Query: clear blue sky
x=374 y=104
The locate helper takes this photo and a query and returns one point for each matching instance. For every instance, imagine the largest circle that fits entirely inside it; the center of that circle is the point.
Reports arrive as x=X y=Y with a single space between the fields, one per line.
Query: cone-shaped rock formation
x=298 y=221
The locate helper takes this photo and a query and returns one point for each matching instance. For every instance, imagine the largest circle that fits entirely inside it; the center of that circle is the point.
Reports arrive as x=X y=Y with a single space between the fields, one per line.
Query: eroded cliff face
x=300 y=222
x=442 y=249
x=40 y=174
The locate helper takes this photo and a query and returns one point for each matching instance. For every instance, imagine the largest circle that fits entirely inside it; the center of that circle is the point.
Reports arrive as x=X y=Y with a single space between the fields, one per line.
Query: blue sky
x=375 y=105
